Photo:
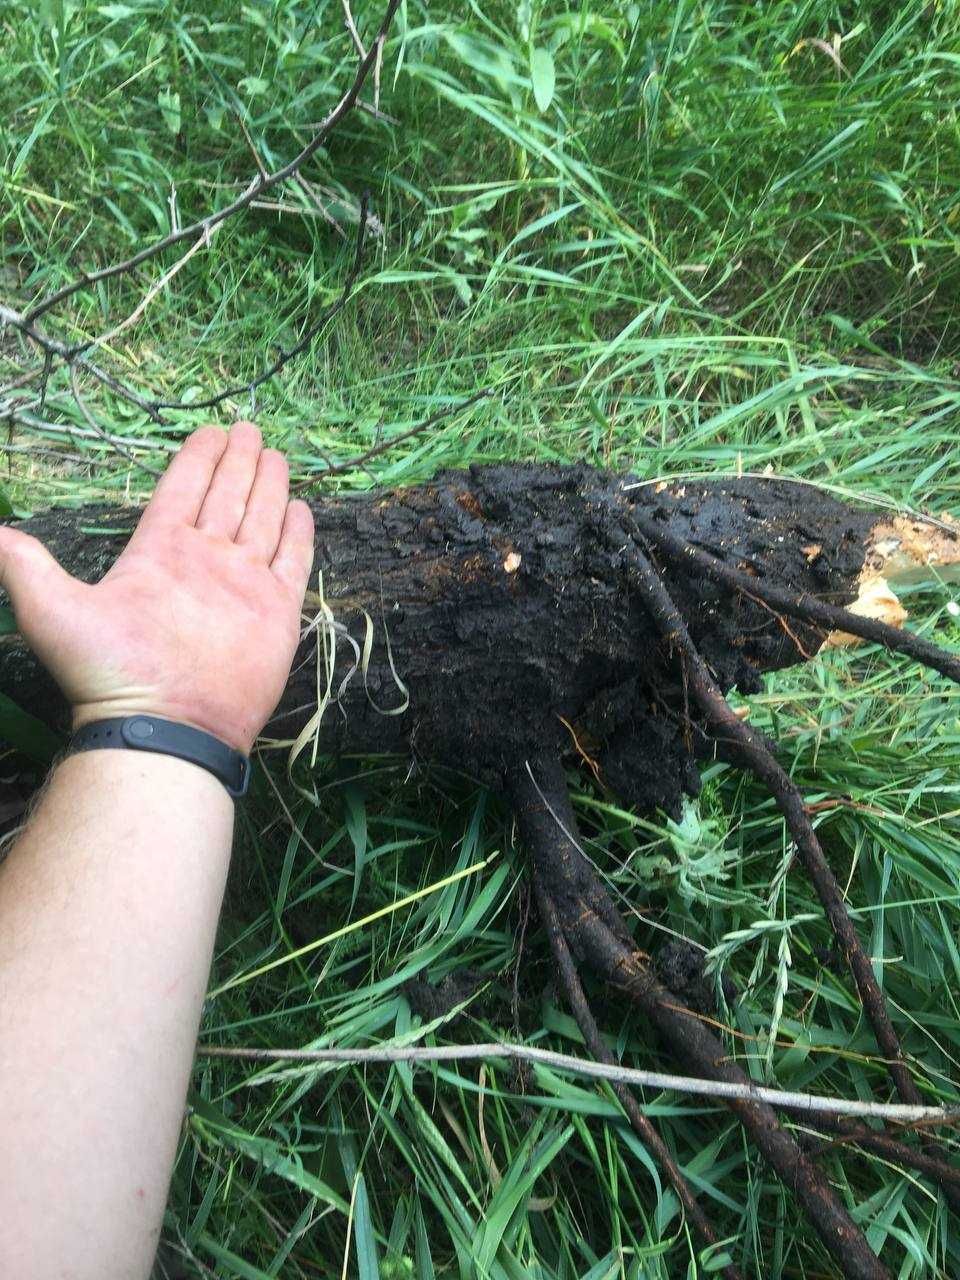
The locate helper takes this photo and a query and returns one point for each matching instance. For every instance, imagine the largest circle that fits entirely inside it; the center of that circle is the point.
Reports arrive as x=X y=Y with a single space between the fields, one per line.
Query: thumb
x=30 y=575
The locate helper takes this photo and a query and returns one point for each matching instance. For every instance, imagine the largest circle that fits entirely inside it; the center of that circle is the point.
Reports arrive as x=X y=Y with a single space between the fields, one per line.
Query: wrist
x=154 y=735
x=157 y=776
x=90 y=712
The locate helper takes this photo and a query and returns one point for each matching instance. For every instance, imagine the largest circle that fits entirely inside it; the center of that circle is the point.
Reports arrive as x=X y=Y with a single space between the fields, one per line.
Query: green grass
x=713 y=249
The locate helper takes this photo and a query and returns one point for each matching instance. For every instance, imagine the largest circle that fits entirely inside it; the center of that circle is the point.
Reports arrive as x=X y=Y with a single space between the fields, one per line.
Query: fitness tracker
x=169 y=738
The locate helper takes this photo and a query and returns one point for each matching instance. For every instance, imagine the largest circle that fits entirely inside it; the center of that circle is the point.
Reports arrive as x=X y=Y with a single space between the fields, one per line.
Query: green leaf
x=543 y=76
x=8 y=623
x=462 y=285
x=6 y=506
x=18 y=728
x=232 y=1263
x=524 y=18
x=356 y=823
x=38 y=130
x=367 y=1263
x=169 y=104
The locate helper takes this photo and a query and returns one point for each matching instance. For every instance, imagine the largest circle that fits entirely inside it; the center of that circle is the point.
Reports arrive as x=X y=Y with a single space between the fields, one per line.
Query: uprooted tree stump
x=502 y=617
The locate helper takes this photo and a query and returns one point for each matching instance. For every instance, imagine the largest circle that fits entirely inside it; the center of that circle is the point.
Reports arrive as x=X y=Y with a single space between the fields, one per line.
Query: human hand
x=199 y=618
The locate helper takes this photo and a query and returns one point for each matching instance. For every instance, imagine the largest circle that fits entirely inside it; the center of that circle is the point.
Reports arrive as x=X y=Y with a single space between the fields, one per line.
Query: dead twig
x=352 y=464
x=42 y=427
x=202 y=242
x=352 y=28
x=254 y=189
x=285 y=356
x=200 y=233
x=744 y=1089
x=100 y=431
x=56 y=455
x=52 y=348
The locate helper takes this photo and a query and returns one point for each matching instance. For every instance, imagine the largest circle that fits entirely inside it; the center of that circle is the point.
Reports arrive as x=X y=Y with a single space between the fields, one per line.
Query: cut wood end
x=901 y=551
x=876 y=600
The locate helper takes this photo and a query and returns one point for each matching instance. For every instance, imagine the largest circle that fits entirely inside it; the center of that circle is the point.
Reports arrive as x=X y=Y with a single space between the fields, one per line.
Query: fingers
x=181 y=490
x=31 y=577
x=294 y=558
x=226 y=501
x=266 y=506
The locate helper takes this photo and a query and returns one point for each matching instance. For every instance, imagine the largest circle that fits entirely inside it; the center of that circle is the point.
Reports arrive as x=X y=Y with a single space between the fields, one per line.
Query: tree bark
x=499 y=598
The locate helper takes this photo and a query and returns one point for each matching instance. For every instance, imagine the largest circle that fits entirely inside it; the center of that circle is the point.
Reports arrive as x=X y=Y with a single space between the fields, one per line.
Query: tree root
x=808 y=608
x=750 y=747
x=752 y=750
x=944 y=1175
x=548 y=827
x=641 y=1124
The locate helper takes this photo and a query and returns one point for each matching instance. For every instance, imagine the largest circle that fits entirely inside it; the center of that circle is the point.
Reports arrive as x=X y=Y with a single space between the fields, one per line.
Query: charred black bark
x=507 y=614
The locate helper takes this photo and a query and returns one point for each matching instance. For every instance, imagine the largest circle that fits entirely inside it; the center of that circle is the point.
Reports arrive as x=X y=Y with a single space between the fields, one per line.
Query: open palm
x=198 y=620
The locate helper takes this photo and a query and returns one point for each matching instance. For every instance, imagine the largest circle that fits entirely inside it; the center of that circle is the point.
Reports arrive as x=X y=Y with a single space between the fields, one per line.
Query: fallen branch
x=44 y=428
x=402 y=437
x=303 y=344
x=497 y=1050
x=203 y=226
x=53 y=348
x=101 y=432
x=74 y=356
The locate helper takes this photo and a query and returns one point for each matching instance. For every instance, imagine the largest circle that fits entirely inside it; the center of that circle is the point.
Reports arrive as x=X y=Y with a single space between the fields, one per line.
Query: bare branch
x=53 y=347
x=255 y=188
x=100 y=431
x=799 y=1102
x=41 y=427
x=352 y=28
x=202 y=241
x=23 y=379
x=352 y=464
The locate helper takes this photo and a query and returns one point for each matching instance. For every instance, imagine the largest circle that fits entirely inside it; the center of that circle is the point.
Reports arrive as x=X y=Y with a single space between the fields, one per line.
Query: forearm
x=108 y=908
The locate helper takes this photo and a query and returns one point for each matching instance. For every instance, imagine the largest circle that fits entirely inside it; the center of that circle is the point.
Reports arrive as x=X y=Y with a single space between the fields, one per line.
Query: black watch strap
x=169 y=738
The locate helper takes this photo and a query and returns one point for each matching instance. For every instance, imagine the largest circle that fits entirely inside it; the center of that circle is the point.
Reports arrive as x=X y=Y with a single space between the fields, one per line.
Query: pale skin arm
x=110 y=897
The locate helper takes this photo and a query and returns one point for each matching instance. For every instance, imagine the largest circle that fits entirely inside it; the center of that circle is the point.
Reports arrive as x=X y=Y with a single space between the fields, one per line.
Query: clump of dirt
x=680 y=966
x=438 y=1000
